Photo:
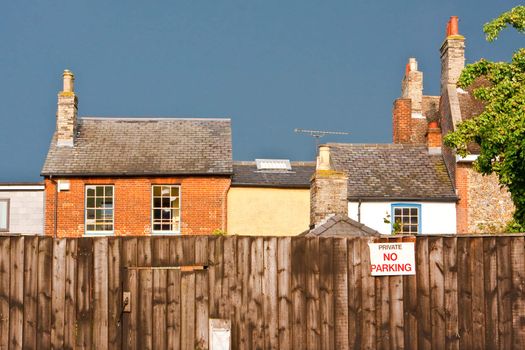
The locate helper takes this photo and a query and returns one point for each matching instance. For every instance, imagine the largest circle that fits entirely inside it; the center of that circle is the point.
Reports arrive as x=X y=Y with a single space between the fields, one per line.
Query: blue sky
x=270 y=65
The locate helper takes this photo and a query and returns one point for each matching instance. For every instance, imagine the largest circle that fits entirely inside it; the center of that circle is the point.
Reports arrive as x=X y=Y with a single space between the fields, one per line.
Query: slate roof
x=392 y=172
x=144 y=146
x=246 y=174
x=341 y=226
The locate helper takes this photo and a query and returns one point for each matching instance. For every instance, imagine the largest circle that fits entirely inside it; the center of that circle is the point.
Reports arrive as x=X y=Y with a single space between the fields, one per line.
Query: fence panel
x=278 y=292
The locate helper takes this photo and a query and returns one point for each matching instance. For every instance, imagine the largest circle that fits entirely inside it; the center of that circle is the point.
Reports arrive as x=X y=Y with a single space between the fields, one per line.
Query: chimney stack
x=452 y=55
x=67 y=112
x=434 y=138
x=412 y=85
x=328 y=189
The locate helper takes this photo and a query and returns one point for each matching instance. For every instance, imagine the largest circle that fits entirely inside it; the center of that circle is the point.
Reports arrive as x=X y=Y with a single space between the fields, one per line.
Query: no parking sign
x=390 y=259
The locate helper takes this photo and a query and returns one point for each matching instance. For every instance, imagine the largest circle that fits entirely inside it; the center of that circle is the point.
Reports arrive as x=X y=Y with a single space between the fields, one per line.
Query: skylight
x=273 y=164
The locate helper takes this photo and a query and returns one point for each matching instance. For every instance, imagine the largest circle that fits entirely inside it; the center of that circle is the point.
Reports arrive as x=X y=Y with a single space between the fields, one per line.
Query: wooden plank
x=59 y=293
x=44 y=278
x=160 y=279
x=464 y=294
x=114 y=293
x=100 y=292
x=84 y=286
x=188 y=311
x=236 y=290
x=504 y=274
x=340 y=290
x=355 y=297
x=188 y=250
x=382 y=305
x=256 y=313
x=313 y=327
x=243 y=272
x=70 y=318
x=326 y=292
x=396 y=324
x=201 y=293
x=299 y=292
x=424 y=328
x=176 y=251
x=5 y=268
x=214 y=276
x=437 y=291
x=30 y=291
x=410 y=307
x=16 y=289
x=145 y=308
x=451 y=293
x=517 y=256
x=269 y=288
x=129 y=284
x=173 y=321
x=228 y=277
x=478 y=293
x=368 y=323
x=284 y=272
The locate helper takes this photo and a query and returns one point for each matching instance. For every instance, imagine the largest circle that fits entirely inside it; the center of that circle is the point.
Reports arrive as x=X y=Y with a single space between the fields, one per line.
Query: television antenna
x=317 y=134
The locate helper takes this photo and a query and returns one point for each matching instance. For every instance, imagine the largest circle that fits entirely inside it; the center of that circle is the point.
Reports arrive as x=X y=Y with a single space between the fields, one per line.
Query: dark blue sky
x=270 y=65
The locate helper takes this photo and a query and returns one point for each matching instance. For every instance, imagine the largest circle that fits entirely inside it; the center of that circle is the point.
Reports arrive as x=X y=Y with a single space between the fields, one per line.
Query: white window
x=407 y=218
x=4 y=215
x=165 y=209
x=99 y=209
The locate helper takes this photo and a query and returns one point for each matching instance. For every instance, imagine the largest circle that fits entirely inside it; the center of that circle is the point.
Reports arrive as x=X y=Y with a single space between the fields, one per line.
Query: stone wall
x=328 y=195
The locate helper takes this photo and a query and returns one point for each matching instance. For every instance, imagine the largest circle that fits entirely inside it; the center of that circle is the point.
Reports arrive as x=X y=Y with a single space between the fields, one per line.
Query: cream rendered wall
x=268 y=211
x=436 y=217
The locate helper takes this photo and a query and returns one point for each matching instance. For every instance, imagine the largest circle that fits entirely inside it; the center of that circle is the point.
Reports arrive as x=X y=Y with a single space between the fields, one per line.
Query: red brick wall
x=401 y=120
x=203 y=204
x=462 y=184
x=434 y=137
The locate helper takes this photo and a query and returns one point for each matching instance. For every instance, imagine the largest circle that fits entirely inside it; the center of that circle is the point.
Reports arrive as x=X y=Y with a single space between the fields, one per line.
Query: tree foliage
x=500 y=128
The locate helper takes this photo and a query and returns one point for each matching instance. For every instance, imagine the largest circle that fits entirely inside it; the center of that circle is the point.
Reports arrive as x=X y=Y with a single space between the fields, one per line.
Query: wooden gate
x=160 y=308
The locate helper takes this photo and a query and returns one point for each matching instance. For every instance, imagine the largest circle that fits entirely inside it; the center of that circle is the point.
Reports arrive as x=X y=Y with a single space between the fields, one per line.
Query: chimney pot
x=323 y=161
x=69 y=79
x=453 y=25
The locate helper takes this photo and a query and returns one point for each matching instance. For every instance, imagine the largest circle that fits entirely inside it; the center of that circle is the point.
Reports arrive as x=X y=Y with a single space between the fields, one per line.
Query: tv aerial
x=317 y=134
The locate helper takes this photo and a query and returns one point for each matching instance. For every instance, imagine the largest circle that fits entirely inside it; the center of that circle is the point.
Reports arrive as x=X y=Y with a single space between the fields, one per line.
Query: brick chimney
x=67 y=112
x=452 y=55
x=434 y=138
x=328 y=189
x=408 y=122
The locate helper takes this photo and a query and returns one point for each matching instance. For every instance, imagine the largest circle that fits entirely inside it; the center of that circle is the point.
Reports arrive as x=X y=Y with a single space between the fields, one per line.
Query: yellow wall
x=268 y=211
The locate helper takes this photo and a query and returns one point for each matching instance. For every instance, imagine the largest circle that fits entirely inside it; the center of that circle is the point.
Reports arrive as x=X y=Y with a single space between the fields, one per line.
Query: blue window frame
x=408 y=215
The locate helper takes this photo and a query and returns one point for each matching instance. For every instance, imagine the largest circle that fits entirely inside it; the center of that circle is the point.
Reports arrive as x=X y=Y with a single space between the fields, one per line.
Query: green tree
x=500 y=129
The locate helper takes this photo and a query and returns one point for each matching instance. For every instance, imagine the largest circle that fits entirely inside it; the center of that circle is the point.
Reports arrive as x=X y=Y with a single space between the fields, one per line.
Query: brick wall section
x=434 y=137
x=203 y=204
x=401 y=120
x=328 y=195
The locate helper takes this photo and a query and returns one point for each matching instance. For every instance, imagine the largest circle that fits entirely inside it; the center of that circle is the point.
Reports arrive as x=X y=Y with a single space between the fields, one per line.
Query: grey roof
x=144 y=146
x=246 y=174
x=393 y=172
x=340 y=226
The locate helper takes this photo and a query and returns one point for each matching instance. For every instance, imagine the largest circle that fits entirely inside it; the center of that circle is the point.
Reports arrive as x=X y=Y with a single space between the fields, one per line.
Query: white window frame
x=172 y=232
x=98 y=233
x=7 y=201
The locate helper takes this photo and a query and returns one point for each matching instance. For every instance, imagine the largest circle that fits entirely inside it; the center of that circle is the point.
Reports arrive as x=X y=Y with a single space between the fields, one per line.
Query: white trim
x=160 y=233
x=468 y=159
x=21 y=187
x=417 y=115
x=98 y=233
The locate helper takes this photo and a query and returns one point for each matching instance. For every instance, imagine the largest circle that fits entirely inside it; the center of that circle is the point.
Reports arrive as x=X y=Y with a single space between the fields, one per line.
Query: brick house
x=135 y=176
x=482 y=205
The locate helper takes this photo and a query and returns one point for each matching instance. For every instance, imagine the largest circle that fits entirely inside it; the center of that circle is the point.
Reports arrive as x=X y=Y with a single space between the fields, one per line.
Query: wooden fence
x=279 y=293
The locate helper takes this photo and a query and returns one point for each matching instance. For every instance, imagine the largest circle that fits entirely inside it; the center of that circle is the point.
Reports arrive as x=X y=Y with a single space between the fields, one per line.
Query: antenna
x=317 y=134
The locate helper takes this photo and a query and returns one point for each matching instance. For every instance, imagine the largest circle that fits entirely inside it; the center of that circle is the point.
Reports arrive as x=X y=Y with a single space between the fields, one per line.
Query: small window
x=4 y=215
x=165 y=208
x=99 y=209
x=406 y=218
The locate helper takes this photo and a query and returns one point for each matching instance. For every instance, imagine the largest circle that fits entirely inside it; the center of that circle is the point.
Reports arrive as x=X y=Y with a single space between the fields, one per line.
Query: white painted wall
x=26 y=208
x=436 y=217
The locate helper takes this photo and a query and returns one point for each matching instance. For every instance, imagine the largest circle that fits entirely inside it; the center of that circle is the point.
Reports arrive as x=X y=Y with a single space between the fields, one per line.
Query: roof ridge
x=152 y=118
